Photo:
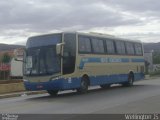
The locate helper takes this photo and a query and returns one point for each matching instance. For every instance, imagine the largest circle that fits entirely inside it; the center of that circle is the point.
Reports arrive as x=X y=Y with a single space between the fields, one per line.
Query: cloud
x=54 y=15
x=24 y=18
x=137 y=6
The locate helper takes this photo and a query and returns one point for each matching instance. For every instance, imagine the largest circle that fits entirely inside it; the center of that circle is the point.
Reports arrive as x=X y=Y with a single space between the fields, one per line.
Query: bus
x=75 y=61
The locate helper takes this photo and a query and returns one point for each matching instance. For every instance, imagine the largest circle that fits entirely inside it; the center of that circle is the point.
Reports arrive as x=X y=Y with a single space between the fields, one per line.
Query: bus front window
x=42 y=61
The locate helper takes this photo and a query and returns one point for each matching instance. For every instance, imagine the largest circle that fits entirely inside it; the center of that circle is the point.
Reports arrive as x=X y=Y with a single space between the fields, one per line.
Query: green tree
x=156 y=58
x=6 y=58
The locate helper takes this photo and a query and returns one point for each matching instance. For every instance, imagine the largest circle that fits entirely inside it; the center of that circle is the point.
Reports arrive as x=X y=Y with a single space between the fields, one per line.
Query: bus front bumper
x=60 y=84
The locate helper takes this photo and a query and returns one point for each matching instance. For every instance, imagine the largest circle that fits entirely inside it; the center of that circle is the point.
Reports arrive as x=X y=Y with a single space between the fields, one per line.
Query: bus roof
x=94 y=34
x=107 y=36
x=101 y=35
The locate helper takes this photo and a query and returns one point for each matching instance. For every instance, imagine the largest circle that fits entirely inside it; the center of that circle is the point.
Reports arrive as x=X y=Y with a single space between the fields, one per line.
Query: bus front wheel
x=83 y=86
x=52 y=92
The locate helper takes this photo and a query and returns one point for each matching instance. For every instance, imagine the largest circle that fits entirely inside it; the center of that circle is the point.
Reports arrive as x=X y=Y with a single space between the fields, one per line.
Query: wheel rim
x=130 y=80
x=83 y=84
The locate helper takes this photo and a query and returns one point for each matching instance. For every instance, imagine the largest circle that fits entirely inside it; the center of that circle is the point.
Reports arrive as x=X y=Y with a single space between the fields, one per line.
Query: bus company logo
x=115 y=60
x=103 y=60
x=9 y=117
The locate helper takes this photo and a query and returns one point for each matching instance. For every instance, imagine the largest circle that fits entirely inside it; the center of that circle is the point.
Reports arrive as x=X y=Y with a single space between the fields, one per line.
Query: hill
x=8 y=47
x=147 y=47
x=151 y=46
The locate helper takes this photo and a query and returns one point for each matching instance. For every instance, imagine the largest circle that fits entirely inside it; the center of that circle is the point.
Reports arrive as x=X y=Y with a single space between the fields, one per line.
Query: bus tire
x=83 y=86
x=105 y=86
x=52 y=92
x=130 y=80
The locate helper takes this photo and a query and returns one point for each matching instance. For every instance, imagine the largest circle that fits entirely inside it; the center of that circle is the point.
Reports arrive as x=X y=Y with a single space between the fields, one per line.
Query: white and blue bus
x=75 y=61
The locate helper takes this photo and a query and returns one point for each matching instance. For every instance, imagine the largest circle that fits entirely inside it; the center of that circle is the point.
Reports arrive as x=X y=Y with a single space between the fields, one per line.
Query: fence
x=156 y=67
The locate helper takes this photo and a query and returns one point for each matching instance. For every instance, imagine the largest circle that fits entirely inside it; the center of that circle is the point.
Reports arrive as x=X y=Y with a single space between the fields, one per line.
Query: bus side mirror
x=59 y=48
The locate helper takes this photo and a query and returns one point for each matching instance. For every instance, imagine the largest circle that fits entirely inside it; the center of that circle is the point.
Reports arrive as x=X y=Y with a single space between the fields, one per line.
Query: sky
x=133 y=19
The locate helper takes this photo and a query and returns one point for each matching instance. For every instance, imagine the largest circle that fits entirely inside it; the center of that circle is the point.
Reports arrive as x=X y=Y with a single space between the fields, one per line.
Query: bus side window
x=120 y=46
x=138 y=49
x=110 y=47
x=84 y=44
x=98 y=46
x=130 y=48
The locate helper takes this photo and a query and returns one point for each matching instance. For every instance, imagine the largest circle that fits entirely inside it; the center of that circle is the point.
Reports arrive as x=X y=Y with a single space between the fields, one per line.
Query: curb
x=21 y=94
x=152 y=77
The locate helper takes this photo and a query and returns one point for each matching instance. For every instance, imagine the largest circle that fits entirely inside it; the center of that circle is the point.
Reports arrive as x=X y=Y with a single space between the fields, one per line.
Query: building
x=5 y=67
x=13 y=68
x=148 y=56
x=16 y=66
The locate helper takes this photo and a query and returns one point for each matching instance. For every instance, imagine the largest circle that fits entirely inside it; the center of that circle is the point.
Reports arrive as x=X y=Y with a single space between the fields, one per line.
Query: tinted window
x=84 y=44
x=69 y=53
x=110 y=47
x=120 y=47
x=98 y=46
x=70 y=44
x=44 y=40
x=138 y=49
x=42 y=61
x=130 y=48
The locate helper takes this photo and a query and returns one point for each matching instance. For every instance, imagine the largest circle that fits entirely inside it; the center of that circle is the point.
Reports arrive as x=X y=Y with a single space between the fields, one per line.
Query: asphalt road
x=143 y=97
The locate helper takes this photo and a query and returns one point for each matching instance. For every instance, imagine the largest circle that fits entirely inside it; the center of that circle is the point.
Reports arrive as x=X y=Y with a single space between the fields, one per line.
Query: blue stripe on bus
x=108 y=60
x=137 y=60
x=73 y=83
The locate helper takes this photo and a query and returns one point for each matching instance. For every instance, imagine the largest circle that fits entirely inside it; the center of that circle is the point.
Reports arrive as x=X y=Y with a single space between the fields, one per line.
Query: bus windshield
x=41 y=61
x=40 y=57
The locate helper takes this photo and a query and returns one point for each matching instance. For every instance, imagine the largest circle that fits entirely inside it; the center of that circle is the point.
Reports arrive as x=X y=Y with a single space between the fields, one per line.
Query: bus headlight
x=56 y=78
x=24 y=80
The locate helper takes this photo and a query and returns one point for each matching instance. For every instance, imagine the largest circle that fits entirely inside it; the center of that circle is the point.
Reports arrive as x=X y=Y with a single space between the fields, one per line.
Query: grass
x=10 y=81
x=156 y=73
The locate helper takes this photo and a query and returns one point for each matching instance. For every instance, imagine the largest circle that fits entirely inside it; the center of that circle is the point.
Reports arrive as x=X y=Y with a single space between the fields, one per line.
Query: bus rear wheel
x=52 y=92
x=83 y=86
x=105 y=86
x=130 y=80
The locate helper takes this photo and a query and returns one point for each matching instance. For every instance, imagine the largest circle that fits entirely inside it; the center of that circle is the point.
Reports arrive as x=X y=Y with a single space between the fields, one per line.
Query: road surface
x=143 y=97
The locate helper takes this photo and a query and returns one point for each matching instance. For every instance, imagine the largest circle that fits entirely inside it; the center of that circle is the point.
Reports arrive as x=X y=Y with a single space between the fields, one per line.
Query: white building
x=149 y=58
x=16 y=66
